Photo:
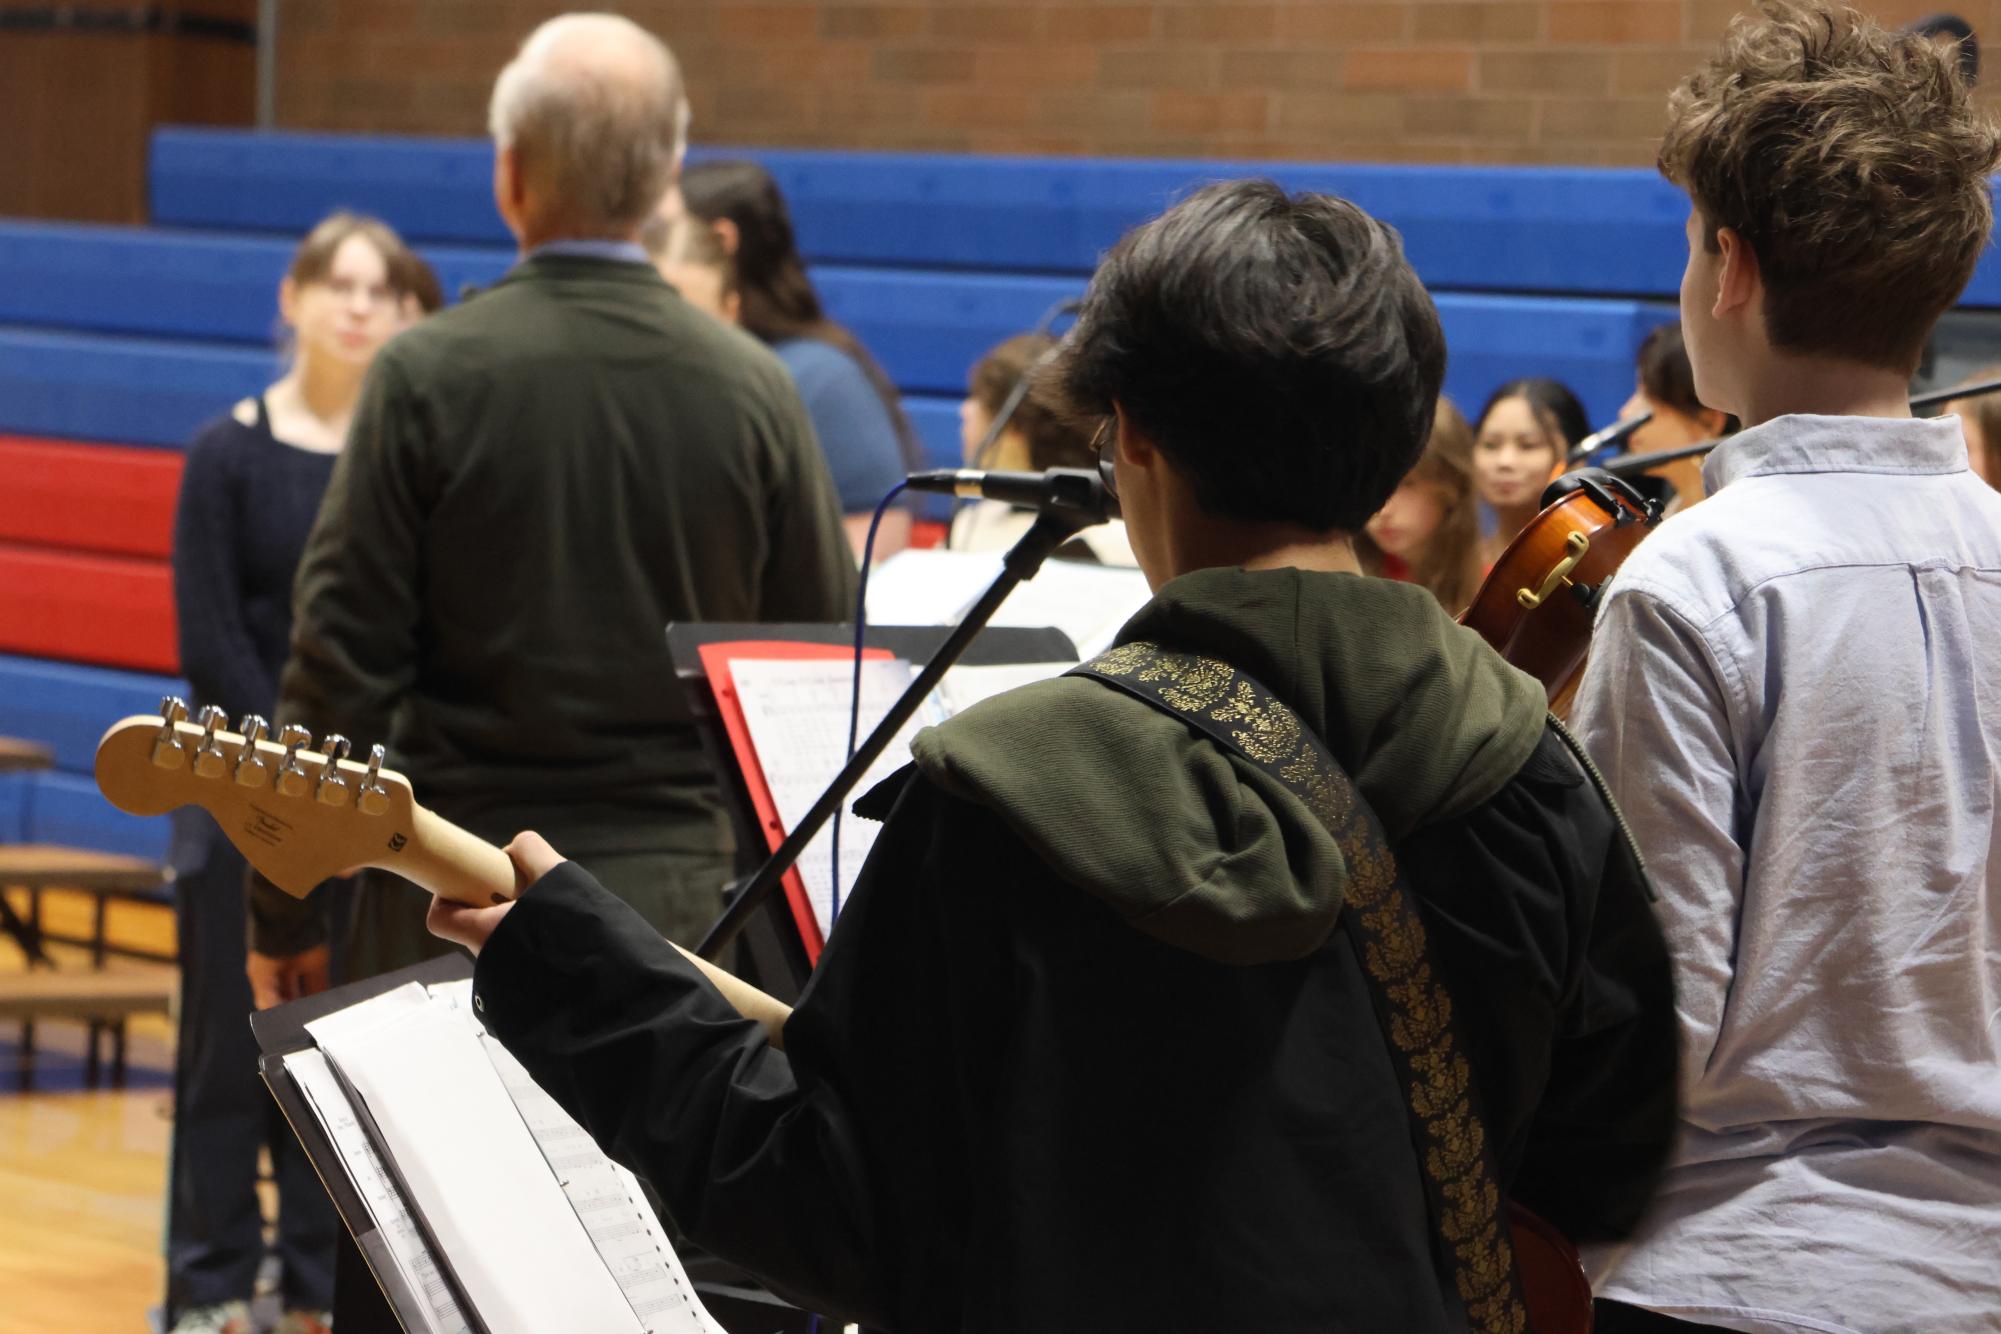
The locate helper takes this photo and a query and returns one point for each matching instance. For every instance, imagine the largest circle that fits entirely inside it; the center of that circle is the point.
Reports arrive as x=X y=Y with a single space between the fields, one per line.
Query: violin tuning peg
x=209 y=759
x=251 y=770
x=372 y=798
x=292 y=780
x=332 y=789
x=168 y=752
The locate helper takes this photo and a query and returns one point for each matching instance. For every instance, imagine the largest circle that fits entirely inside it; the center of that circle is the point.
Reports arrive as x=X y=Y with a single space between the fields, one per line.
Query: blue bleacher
x=68 y=707
x=138 y=335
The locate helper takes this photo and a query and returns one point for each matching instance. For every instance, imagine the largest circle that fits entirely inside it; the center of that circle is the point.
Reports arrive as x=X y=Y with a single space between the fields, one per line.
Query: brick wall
x=1575 y=81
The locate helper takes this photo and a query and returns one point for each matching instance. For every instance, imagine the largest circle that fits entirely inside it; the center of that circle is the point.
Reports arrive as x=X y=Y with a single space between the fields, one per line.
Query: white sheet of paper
x=475 y=1174
x=409 y=1250
x=1086 y=602
x=928 y=586
x=963 y=687
x=611 y=1206
x=380 y=1011
x=1089 y=603
x=797 y=712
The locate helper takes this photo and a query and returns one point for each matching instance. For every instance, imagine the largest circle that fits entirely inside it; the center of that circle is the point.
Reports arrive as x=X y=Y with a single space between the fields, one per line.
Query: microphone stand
x=1056 y=524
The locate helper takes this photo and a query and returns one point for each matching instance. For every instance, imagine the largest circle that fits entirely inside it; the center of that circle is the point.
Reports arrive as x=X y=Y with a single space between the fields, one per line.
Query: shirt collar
x=625 y=252
x=1910 y=446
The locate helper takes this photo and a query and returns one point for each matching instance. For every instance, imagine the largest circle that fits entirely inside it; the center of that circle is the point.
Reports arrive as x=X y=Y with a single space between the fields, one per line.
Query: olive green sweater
x=537 y=482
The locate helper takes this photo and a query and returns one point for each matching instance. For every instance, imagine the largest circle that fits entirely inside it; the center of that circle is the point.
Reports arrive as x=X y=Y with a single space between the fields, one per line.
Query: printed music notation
x=797 y=713
x=611 y=1206
x=407 y=1245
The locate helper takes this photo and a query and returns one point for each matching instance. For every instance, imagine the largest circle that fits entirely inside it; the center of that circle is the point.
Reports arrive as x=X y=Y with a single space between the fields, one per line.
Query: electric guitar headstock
x=298 y=814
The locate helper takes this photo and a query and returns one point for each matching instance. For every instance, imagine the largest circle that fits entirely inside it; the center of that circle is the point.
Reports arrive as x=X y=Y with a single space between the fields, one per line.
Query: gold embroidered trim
x=1451 y=1141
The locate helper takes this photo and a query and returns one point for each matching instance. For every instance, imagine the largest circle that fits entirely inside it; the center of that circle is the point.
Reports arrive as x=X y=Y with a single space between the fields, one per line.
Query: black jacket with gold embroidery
x=1086 y=1051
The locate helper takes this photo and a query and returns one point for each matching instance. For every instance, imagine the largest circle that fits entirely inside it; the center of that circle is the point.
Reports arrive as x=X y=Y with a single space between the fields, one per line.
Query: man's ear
x=1713 y=421
x=1739 y=284
x=727 y=235
x=1135 y=445
x=288 y=301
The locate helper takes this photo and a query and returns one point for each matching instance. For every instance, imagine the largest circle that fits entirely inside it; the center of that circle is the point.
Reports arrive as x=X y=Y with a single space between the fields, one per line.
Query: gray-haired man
x=536 y=482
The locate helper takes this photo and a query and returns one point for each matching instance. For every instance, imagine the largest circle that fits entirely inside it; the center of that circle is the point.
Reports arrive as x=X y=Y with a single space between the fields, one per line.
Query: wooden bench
x=101 y=999
x=35 y=867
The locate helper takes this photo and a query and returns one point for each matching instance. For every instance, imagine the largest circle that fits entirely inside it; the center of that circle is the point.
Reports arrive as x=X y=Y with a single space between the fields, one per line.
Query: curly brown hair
x=1854 y=164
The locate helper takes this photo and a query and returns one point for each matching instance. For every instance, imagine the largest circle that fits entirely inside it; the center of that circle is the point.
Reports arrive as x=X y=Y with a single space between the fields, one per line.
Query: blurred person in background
x=1665 y=387
x=857 y=413
x=1428 y=532
x=1040 y=434
x=689 y=254
x=1523 y=437
x=1954 y=35
x=253 y=483
x=537 y=482
x=1980 y=422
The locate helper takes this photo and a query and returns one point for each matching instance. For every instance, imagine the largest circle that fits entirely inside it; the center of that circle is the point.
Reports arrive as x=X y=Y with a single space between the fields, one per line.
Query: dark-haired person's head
x=1664 y=385
x=352 y=285
x=1040 y=433
x=1521 y=437
x=1270 y=360
x=774 y=297
x=1839 y=180
x=1953 y=35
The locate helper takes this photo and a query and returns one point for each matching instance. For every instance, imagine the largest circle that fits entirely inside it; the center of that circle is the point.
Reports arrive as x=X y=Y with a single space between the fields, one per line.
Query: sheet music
x=411 y=1253
x=475 y=1174
x=610 y=1205
x=797 y=713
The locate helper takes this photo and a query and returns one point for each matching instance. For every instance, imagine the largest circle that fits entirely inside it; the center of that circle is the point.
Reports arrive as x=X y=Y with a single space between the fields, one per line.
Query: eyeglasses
x=379 y=295
x=1106 y=443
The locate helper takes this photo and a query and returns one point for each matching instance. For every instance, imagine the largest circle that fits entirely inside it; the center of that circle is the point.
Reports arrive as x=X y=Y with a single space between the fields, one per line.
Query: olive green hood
x=1194 y=845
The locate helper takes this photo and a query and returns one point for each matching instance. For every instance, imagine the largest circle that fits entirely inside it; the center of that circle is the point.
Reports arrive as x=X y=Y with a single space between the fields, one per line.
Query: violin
x=1538 y=602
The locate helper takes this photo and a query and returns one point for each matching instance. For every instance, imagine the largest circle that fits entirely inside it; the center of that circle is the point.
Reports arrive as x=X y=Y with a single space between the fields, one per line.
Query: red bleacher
x=85 y=532
x=83 y=497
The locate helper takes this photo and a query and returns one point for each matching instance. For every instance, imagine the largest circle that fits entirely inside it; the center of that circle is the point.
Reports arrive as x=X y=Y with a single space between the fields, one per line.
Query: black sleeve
x=1539 y=921
x=752 y=1159
x=218 y=656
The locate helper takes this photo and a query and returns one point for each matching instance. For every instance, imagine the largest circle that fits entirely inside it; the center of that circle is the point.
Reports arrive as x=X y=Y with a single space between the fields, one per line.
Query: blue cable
x=855 y=693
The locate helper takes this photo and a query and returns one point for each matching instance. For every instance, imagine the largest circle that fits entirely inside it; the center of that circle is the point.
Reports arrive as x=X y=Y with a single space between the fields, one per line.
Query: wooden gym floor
x=83 y=1172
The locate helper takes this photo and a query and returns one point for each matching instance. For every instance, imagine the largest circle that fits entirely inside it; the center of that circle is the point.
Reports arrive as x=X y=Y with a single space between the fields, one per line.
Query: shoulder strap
x=1387 y=935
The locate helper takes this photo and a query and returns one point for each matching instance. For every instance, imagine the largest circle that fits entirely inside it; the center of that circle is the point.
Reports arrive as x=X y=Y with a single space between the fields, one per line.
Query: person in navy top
x=252 y=485
x=868 y=440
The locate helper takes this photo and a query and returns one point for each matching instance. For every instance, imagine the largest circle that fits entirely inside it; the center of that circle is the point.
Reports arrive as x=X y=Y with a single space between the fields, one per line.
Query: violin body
x=1537 y=605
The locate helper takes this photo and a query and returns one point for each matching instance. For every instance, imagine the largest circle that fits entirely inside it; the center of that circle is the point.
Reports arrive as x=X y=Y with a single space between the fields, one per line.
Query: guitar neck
x=451 y=863
x=462 y=867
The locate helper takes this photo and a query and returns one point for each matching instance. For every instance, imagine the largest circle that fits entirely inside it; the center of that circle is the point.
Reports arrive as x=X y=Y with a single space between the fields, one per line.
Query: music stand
x=770 y=954
x=369 y=1294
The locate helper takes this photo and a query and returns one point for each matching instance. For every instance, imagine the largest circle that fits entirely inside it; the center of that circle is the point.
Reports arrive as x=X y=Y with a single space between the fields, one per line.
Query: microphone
x=1079 y=492
x=1611 y=435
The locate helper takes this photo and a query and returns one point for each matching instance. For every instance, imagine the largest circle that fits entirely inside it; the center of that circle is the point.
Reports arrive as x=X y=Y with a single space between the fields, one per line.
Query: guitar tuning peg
x=292 y=780
x=331 y=789
x=168 y=752
x=209 y=759
x=251 y=771
x=373 y=798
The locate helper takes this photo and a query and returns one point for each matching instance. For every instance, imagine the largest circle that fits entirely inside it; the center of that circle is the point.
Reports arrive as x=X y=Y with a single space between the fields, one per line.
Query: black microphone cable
x=855 y=689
